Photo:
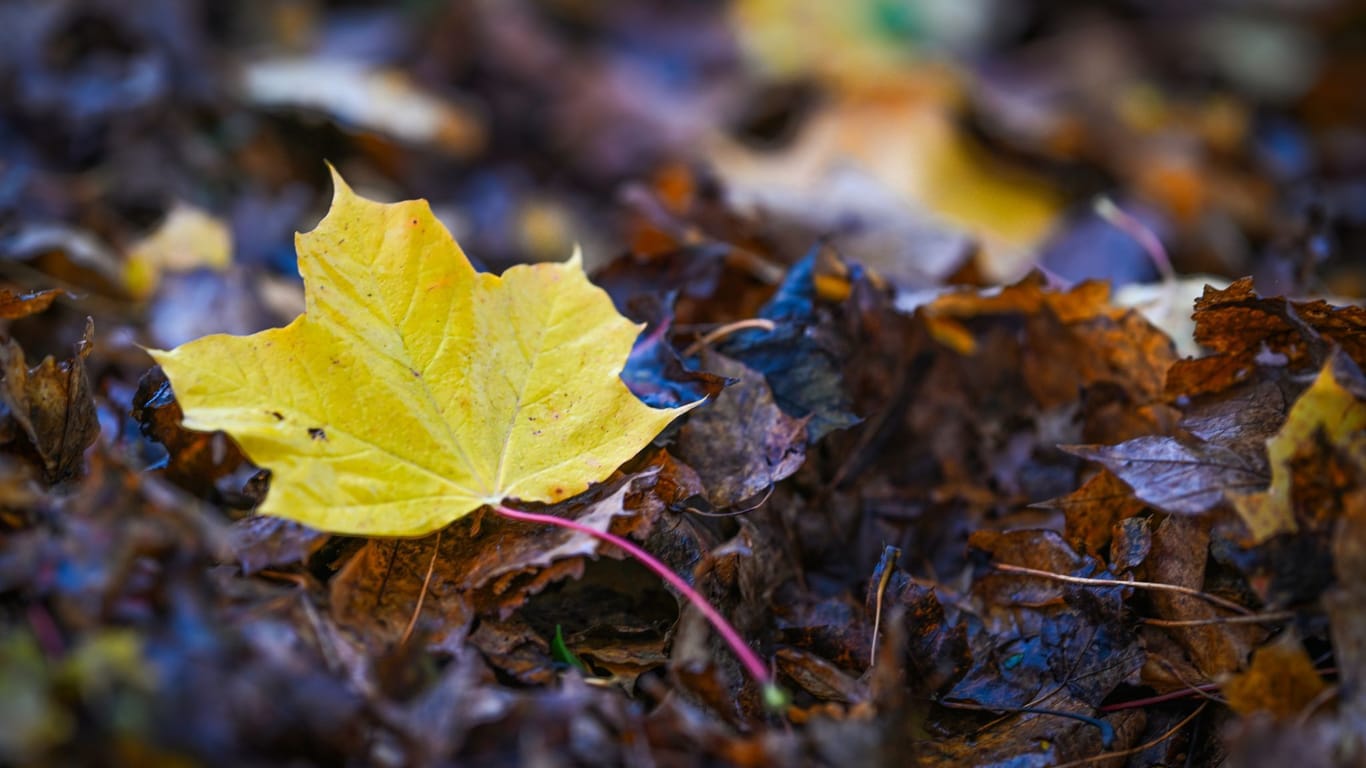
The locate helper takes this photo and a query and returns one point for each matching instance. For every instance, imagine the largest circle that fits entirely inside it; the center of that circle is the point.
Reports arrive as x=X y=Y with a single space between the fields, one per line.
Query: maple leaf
x=414 y=390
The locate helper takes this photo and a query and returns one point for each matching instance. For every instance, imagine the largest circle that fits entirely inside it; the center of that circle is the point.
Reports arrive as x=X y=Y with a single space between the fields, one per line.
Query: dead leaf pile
x=882 y=393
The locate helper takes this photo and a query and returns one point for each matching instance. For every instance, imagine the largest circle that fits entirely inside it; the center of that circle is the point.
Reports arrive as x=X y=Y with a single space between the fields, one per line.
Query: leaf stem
x=774 y=697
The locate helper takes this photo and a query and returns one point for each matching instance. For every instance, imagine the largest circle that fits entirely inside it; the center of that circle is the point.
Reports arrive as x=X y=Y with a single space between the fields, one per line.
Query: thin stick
x=422 y=596
x=726 y=330
x=774 y=697
x=1256 y=618
x=1207 y=597
x=1175 y=729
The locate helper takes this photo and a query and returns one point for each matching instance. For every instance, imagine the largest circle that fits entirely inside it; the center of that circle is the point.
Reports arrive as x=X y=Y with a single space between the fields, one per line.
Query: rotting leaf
x=795 y=357
x=490 y=571
x=439 y=389
x=1245 y=331
x=1221 y=452
x=743 y=443
x=196 y=461
x=1092 y=511
x=52 y=405
x=16 y=304
x=1335 y=404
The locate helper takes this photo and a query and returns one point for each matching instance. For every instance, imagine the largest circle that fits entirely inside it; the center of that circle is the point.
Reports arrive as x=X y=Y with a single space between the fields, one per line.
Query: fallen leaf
x=196 y=461
x=52 y=405
x=359 y=95
x=1221 y=453
x=414 y=390
x=1334 y=404
x=488 y=570
x=743 y=443
x=1180 y=556
x=796 y=357
x=188 y=239
x=1094 y=509
x=1167 y=305
x=1281 y=680
x=16 y=304
x=1245 y=332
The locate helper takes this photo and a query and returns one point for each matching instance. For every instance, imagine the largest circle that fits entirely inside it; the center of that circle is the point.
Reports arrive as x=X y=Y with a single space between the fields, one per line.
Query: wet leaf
x=414 y=390
x=1093 y=509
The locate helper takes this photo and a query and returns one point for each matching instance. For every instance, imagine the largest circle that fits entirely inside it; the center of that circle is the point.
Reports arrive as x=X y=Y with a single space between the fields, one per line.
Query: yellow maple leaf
x=1326 y=405
x=413 y=389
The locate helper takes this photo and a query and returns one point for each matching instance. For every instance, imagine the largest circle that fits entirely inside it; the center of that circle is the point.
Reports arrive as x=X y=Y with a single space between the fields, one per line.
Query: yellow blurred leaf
x=1281 y=680
x=903 y=143
x=1328 y=406
x=414 y=390
x=188 y=239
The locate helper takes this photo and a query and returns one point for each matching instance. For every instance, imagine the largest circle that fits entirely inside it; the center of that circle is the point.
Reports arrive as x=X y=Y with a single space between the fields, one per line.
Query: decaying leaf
x=1245 y=331
x=744 y=443
x=489 y=570
x=51 y=404
x=1092 y=510
x=415 y=390
x=1335 y=404
x=15 y=304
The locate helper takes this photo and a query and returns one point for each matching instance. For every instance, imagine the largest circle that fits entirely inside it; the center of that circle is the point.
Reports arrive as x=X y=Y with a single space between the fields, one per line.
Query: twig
x=774 y=697
x=422 y=595
x=891 y=555
x=1213 y=599
x=1256 y=618
x=726 y=330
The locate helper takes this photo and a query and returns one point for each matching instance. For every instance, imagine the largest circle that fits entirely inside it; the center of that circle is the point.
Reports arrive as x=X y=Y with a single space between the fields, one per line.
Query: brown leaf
x=1179 y=555
x=1223 y=450
x=491 y=568
x=15 y=304
x=1092 y=510
x=742 y=443
x=261 y=542
x=52 y=404
x=1245 y=331
x=196 y=461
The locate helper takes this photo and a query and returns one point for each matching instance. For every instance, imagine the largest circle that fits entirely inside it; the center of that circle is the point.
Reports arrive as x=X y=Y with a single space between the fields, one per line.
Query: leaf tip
x=340 y=189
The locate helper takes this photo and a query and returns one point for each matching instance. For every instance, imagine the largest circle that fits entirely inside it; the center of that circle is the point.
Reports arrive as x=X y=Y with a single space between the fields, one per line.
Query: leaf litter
x=964 y=512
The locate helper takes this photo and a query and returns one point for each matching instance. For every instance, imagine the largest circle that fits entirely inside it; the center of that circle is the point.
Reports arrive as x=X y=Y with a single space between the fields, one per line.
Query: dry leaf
x=1334 y=404
x=415 y=390
x=1281 y=680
